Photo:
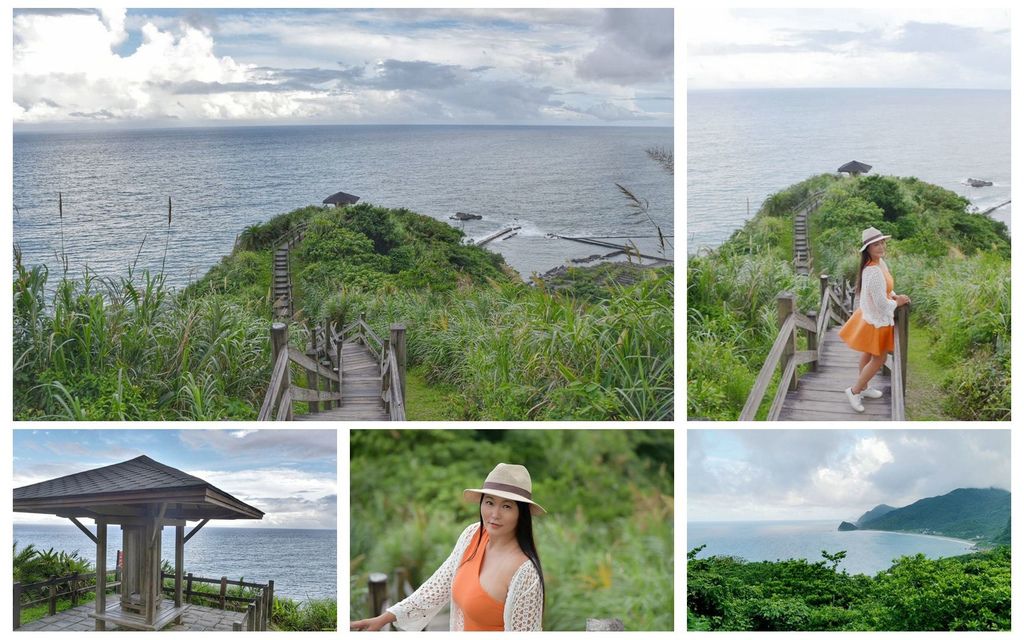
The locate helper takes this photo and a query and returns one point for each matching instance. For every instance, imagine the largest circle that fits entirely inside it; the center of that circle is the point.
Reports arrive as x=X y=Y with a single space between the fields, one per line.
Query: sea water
x=115 y=186
x=867 y=552
x=742 y=146
x=301 y=562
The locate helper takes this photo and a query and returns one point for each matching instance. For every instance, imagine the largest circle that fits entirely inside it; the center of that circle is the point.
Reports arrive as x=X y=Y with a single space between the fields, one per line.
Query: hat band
x=511 y=488
x=874 y=239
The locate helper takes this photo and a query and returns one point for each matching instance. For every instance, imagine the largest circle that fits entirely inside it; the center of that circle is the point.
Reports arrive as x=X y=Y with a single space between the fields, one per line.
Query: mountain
x=880 y=510
x=847 y=526
x=972 y=514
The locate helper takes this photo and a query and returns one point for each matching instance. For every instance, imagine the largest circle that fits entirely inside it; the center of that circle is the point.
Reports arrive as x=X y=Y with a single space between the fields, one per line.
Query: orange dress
x=860 y=335
x=480 y=611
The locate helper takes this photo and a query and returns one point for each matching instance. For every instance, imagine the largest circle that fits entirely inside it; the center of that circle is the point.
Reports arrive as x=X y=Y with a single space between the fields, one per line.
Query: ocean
x=115 y=186
x=301 y=562
x=867 y=552
x=742 y=146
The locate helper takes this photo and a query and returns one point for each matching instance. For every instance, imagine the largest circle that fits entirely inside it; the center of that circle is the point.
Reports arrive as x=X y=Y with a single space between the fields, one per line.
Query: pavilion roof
x=132 y=488
x=341 y=198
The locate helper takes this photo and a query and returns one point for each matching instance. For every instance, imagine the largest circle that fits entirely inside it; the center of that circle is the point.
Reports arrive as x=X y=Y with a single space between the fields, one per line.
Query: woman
x=870 y=328
x=492 y=579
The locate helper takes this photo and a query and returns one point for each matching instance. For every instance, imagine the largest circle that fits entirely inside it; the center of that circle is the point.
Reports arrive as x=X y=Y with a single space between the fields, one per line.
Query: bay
x=301 y=562
x=867 y=552
x=746 y=145
x=115 y=186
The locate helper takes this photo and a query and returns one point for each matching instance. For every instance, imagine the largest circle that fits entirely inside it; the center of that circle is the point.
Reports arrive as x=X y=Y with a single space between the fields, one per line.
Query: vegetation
x=606 y=543
x=954 y=265
x=32 y=565
x=963 y=593
x=126 y=349
x=973 y=514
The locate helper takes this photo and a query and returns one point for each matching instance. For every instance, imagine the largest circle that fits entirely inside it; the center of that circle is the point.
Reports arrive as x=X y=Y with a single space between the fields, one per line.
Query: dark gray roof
x=854 y=167
x=126 y=487
x=341 y=198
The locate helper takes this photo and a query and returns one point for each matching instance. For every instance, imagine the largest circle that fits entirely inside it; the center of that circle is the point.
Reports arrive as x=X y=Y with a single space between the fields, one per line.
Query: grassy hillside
x=483 y=344
x=955 y=266
x=973 y=514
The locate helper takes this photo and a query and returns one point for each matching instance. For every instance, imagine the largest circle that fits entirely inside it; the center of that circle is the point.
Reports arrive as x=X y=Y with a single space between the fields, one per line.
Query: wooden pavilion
x=854 y=168
x=341 y=198
x=142 y=496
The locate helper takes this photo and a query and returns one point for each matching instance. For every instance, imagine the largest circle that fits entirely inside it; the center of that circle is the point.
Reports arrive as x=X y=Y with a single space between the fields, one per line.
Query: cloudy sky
x=290 y=475
x=800 y=474
x=934 y=47
x=151 y=67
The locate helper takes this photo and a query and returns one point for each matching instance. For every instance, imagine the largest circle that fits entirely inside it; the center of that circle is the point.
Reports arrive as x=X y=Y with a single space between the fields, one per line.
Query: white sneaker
x=872 y=393
x=854 y=399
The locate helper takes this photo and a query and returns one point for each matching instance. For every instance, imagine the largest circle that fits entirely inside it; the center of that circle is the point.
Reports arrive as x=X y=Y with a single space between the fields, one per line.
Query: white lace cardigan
x=876 y=307
x=524 y=604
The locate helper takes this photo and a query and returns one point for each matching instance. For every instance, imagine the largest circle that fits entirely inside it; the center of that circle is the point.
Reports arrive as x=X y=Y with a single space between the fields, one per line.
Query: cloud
x=808 y=474
x=357 y=66
x=634 y=45
x=275 y=444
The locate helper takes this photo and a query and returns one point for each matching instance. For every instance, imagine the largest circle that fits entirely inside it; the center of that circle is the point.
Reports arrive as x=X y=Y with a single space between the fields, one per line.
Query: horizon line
x=88 y=127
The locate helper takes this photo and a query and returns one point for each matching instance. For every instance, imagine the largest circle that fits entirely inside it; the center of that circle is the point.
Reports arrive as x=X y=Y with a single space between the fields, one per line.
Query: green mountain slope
x=877 y=512
x=974 y=514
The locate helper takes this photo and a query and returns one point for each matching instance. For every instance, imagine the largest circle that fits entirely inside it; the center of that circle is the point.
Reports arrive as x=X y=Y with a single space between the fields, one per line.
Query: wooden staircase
x=360 y=388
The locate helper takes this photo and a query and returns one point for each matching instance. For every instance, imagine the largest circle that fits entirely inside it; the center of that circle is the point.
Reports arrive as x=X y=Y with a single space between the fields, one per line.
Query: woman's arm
x=413 y=613
x=879 y=307
x=524 y=607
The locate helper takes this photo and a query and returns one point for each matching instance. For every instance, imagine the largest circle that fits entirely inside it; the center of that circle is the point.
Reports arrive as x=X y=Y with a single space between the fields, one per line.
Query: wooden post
x=74 y=589
x=16 y=615
x=786 y=302
x=401 y=580
x=250 y=617
x=822 y=286
x=337 y=348
x=812 y=338
x=902 y=330
x=188 y=585
x=378 y=592
x=223 y=590
x=179 y=566
x=101 y=573
x=605 y=624
x=279 y=347
x=52 y=600
x=398 y=344
x=313 y=377
x=270 y=600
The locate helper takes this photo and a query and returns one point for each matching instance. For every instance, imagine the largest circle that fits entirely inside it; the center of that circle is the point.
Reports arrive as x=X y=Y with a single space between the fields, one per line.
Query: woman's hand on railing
x=901 y=300
x=372 y=624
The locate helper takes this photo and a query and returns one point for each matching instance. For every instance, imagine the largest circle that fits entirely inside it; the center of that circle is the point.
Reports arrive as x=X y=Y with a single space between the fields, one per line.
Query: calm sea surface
x=115 y=187
x=301 y=562
x=866 y=551
x=749 y=144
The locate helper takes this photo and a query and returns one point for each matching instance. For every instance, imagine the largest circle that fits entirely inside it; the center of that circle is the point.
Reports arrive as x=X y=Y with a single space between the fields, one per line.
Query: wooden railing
x=323 y=386
x=282 y=304
x=258 y=608
x=898 y=371
x=78 y=583
x=832 y=309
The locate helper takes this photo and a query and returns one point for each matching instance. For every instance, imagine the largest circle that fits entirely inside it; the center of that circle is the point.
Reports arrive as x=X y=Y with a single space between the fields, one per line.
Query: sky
x=290 y=475
x=835 y=474
x=171 y=67
x=933 y=47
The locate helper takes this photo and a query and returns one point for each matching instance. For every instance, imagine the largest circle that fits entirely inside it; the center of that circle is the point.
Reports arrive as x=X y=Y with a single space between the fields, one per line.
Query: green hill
x=973 y=514
x=877 y=512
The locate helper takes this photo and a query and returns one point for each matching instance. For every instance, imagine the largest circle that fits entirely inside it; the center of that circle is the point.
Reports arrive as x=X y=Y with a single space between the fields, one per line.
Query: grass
x=427 y=401
x=924 y=377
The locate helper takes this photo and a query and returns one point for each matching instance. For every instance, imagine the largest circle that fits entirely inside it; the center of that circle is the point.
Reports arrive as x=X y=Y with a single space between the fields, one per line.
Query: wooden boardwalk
x=282 y=285
x=360 y=387
x=820 y=395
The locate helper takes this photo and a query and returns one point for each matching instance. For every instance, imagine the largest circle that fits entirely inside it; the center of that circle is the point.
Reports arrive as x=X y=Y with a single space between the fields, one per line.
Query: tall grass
x=124 y=349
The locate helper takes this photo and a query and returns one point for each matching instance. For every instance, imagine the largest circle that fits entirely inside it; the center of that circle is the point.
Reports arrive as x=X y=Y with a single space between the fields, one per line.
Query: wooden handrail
x=899 y=362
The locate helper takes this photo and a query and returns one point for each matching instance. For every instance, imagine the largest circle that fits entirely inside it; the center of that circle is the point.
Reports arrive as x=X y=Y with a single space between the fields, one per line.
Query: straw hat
x=509 y=481
x=871 y=235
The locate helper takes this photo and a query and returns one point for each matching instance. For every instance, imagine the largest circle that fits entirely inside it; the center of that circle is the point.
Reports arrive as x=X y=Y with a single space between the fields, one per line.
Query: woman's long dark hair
x=524 y=536
x=865 y=258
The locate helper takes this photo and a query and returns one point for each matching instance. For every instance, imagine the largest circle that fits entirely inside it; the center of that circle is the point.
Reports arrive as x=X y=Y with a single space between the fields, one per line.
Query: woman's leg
x=865 y=358
x=868 y=372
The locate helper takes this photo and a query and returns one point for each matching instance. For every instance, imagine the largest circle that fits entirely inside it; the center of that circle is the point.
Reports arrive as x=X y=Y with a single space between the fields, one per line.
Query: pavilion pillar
x=179 y=566
x=101 y=573
x=152 y=581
